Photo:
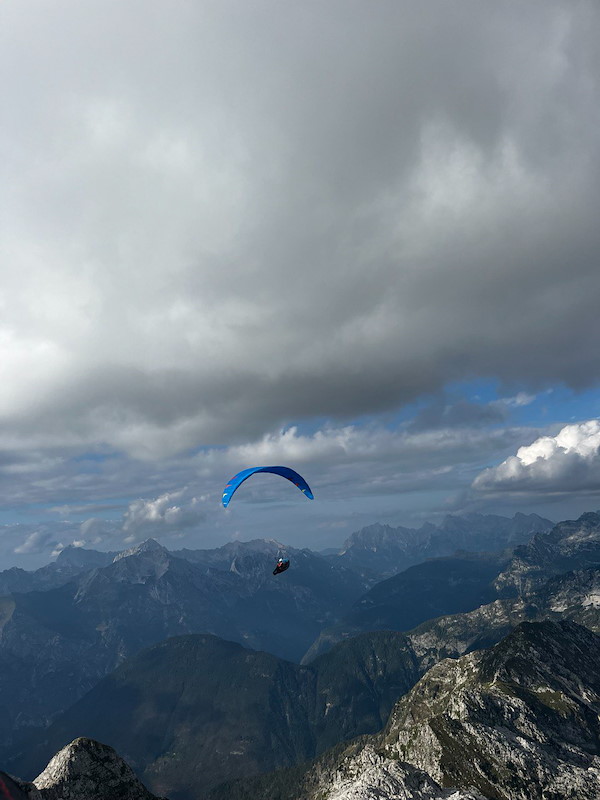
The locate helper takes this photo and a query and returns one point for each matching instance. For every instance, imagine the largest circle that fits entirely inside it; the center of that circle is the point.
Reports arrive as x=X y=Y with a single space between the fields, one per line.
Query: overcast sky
x=358 y=238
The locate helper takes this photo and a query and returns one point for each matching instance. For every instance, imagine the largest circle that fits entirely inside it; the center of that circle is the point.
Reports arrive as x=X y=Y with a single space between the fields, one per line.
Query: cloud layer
x=221 y=218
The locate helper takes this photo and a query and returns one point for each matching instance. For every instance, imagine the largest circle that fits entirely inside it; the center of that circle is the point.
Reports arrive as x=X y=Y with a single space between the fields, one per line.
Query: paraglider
x=281 y=566
x=285 y=472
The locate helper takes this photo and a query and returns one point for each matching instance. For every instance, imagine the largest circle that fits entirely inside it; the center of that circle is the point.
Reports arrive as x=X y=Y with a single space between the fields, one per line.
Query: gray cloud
x=224 y=217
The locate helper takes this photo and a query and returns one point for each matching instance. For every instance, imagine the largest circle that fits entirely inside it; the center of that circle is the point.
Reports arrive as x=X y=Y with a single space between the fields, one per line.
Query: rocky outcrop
x=574 y=596
x=372 y=776
x=88 y=770
x=83 y=770
x=518 y=722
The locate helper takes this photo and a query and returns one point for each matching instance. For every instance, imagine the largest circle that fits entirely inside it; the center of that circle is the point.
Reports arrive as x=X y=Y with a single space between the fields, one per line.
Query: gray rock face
x=570 y=545
x=372 y=776
x=574 y=596
x=517 y=722
x=88 y=770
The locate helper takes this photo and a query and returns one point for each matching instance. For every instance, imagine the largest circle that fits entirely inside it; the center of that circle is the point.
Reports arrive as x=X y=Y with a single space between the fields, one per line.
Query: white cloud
x=517 y=401
x=566 y=463
x=172 y=511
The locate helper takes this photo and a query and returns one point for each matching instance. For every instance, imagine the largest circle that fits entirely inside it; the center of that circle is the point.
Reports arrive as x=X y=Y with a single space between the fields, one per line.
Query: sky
x=359 y=239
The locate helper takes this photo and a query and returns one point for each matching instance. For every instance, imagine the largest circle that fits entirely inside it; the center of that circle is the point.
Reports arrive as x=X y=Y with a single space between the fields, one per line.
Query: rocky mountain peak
x=149 y=546
x=374 y=534
x=531 y=701
x=88 y=769
x=371 y=775
x=546 y=656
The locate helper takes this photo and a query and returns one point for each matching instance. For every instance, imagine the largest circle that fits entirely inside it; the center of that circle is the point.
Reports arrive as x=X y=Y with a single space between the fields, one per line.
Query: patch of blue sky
x=557 y=404
x=481 y=392
x=560 y=404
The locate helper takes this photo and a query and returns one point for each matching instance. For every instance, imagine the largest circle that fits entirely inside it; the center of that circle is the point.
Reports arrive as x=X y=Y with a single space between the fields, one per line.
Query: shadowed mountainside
x=56 y=644
x=193 y=710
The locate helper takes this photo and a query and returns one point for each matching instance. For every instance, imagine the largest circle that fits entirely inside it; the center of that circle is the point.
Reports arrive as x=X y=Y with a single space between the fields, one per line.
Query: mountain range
x=161 y=708
x=516 y=721
x=380 y=551
x=70 y=562
x=58 y=643
x=464 y=581
x=66 y=625
x=194 y=710
x=519 y=721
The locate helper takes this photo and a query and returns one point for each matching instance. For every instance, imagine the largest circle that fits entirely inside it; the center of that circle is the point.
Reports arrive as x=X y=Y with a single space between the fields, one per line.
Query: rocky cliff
x=83 y=770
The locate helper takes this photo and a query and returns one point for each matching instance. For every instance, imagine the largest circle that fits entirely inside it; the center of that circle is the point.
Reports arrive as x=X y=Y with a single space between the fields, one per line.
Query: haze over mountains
x=465 y=581
x=56 y=644
x=379 y=551
x=195 y=710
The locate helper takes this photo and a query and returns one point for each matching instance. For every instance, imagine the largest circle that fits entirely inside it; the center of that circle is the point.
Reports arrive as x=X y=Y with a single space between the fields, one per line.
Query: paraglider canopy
x=285 y=472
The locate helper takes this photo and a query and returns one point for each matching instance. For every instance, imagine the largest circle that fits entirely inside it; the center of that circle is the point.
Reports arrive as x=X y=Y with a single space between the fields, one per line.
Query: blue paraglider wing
x=285 y=472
